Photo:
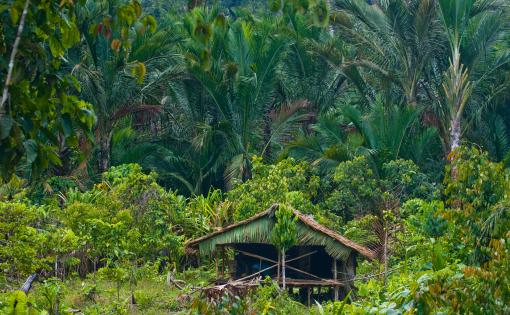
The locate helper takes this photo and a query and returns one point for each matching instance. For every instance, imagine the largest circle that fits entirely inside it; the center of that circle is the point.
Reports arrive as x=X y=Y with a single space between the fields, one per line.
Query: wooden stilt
x=283 y=269
x=222 y=261
x=278 y=270
x=216 y=263
x=309 y=294
x=335 y=277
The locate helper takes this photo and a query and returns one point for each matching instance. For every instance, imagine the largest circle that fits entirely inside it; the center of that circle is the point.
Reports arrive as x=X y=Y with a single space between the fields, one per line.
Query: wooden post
x=278 y=270
x=309 y=293
x=222 y=261
x=385 y=254
x=283 y=269
x=216 y=263
x=335 y=277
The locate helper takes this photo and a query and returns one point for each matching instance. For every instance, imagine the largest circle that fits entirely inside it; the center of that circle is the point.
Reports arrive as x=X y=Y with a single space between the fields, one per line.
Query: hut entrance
x=311 y=274
x=302 y=262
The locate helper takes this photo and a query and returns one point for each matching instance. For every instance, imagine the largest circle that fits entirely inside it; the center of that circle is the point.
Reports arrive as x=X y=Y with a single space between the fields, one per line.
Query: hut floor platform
x=308 y=283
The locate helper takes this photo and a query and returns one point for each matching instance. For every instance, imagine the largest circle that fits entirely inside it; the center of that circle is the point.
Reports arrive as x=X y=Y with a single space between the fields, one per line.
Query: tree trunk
x=56 y=266
x=12 y=59
x=266 y=153
x=411 y=97
x=105 y=147
x=95 y=271
x=28 y=284
x=454 y=134
x=118 y=290
x=454 y=144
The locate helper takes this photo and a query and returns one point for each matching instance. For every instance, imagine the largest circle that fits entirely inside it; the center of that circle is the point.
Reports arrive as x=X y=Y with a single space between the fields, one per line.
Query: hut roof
x=257 y=229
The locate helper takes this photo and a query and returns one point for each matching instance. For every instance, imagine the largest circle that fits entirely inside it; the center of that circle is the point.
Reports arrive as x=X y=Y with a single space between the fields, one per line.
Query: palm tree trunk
x=454 y=134
x=266 y=154
x=105 y=148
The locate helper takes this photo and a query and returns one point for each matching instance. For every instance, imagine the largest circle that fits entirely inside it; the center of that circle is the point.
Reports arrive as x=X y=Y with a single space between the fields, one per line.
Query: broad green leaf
x=30 y=150
x=15 y=14
x=5 y=127
x=56 y=47
x=67 y=125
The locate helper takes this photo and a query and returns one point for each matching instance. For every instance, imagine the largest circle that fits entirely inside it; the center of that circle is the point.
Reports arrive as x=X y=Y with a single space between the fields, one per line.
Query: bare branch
x=10 y=67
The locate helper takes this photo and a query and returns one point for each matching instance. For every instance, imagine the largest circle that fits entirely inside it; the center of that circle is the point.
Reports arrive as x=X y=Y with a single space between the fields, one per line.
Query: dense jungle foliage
x=128 y=128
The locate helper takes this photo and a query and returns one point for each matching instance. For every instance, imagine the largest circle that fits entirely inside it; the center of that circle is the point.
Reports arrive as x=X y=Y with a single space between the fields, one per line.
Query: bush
x=22 y=245
x=288 y=182
x=359 y=190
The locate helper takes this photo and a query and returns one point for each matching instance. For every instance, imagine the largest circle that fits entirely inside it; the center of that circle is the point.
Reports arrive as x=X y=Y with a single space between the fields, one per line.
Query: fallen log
x=28 y=283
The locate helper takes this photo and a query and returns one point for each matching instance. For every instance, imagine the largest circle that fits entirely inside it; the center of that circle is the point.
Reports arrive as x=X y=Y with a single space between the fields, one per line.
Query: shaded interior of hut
x=310 y=270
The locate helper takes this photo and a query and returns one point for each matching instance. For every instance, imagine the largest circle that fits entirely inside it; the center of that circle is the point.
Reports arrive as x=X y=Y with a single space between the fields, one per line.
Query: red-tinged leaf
x=116 y=44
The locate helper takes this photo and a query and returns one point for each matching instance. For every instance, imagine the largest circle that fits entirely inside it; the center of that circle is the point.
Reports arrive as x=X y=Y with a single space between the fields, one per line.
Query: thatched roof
x=257 y=229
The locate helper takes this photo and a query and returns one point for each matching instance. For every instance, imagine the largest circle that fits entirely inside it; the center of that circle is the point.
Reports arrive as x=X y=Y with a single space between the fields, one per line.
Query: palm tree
x=233 y=68
x=331 y=142
x=475 y=30
x=121 y=72
x=311 y=70
x=401 y=48
x=394 y=44
x=351 y=132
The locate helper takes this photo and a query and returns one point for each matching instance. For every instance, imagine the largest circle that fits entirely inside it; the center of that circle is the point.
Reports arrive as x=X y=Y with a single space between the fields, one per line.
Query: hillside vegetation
x=128 y=128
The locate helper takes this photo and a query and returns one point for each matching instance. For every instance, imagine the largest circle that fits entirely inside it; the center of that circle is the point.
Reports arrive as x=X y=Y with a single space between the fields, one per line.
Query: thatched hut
x=321 y=265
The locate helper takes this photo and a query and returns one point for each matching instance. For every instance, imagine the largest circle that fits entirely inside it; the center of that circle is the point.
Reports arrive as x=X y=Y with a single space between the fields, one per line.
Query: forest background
x=128 y=128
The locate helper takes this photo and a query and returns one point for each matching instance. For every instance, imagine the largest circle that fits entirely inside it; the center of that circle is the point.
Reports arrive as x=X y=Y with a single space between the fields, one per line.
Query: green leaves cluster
x=127 y=216
x=476 y=191
x=42 y=111
x=21 y=243
x=284 y=233
x=29 y=240
x=359 y=188
x=288 y=182
x=452 y=252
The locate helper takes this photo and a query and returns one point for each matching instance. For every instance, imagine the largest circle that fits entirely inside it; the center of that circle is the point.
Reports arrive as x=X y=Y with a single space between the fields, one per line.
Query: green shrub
x=143 y=299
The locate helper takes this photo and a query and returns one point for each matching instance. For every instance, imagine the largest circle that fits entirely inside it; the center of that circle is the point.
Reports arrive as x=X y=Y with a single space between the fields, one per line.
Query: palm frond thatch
x=257 y=229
